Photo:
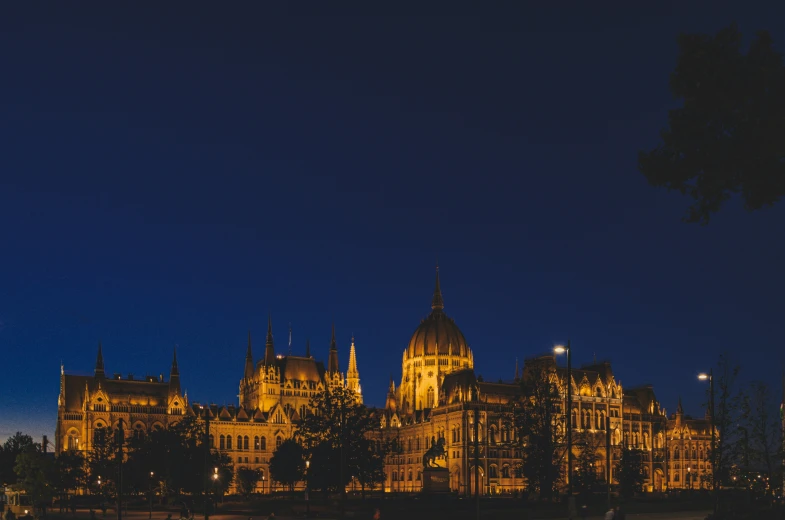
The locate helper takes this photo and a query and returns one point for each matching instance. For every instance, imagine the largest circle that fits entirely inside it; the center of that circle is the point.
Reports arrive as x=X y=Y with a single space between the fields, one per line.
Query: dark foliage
x=729 y=135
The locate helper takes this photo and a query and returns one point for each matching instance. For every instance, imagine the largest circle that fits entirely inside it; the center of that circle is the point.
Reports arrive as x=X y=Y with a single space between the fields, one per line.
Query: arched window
x=263 y=444
x=493 y=471
x=245 y=443
x=73 y=440
x=574 y=418
x=492 y=434
x=417 y=442
x=228 y=442
x=410 y=444
x=239 y=442
x=409 y=478
x=395 y=476
x=430 y=398
x=676 y=453
x=212 y=440
x=278 y=441
x=419 y=475
x=505 y=472
x=694 y=453
x=256 y=443
x=222 y=442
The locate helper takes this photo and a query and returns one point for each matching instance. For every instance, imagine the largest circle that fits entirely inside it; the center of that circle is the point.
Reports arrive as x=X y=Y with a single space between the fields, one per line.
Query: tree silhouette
x=287 y=465
x=729 y=136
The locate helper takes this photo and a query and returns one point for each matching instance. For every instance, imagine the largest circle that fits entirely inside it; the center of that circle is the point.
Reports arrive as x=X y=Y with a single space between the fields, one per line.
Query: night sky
x=169 y=176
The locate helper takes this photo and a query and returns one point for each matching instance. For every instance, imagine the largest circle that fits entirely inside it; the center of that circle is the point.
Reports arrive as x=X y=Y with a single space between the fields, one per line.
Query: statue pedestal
x=435 y=480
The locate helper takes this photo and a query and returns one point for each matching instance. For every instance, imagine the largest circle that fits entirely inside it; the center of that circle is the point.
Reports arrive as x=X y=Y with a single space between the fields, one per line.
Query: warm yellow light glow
x=307 y=464
x=559 y=349
x=151 y=474
x=215 y=476
x=703 y=376
x=215 y=470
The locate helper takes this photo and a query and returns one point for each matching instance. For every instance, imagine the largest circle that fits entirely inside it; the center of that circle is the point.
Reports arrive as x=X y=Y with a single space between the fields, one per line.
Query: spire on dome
x=680 y=409
x=175 y=371
x=99 y=362
x=307 y=347
x=332 y=340
x=437 y=303
x=249 y=359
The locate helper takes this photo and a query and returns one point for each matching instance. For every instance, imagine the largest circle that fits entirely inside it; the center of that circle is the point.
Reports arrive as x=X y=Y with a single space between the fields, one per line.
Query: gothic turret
x=174 y=376
x=332 y=363
x=352 y=375
x=99 y=363
x=269 y=350
x=248 y=360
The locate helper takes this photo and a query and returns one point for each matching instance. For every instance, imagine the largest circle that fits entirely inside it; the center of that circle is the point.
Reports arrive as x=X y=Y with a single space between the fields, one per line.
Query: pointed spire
x=352 y=361
x=437 y=303
x=307 y=347
x=517 y=372
x=269 y=349
x=249 y=359
x=174 y=377
x=680 y=409
x=270 y=329
x=99 y=362
x=332 y=361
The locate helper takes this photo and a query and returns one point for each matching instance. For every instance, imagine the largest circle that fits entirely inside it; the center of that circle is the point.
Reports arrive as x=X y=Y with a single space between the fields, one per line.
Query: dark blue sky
x=170 y=176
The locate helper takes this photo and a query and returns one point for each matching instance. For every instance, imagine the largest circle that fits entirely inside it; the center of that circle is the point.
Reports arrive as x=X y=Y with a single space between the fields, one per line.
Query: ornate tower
x=436 y=349
x=352 y=375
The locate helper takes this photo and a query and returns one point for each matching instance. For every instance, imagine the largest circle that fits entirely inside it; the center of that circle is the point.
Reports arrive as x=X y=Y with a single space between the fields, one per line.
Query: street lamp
x=561 y=349
x=152 y=474
x=307 y=488
x=710 y=377
x=263 y=477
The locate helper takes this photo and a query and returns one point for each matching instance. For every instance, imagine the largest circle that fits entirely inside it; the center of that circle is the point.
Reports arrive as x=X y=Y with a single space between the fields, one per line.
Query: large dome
x=438 y=333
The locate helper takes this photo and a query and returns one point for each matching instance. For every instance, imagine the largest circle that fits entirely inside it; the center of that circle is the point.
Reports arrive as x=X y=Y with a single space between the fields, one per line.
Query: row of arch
x=225 y=442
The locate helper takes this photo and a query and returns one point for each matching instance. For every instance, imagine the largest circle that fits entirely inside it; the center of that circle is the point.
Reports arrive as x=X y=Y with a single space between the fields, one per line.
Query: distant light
x=559 y=349
x=215 y=476
x=703 y=376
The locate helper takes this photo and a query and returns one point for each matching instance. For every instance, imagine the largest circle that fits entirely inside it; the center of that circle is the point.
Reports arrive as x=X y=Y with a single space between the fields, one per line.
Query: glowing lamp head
x=215 y=476
x=307 y=464
x=703 y=376
x=559 y=349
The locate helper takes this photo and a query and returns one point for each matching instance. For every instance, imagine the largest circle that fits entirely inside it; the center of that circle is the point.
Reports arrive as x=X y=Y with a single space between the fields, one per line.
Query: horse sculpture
x=435 y=451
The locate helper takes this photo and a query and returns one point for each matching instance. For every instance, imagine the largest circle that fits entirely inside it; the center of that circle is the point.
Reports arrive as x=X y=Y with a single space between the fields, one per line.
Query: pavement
x=162 y=515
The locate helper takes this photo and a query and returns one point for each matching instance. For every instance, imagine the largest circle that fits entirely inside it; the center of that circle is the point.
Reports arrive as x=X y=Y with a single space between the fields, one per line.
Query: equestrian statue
x=435 y=451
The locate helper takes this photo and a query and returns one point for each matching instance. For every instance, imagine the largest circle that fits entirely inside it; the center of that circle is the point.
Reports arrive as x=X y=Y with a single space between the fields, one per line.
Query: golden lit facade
x=440 y=397
x=274 y=396
x=87 y=403
x=688 y=448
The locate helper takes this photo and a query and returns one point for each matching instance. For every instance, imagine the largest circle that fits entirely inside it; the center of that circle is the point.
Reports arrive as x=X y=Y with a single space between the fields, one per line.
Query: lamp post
x=206 y=414
x=263 y=478
x=561 y=349
x=307 y=488
x=150 y=491
x=710 y=377
x=215 y=481
x=120 y=441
